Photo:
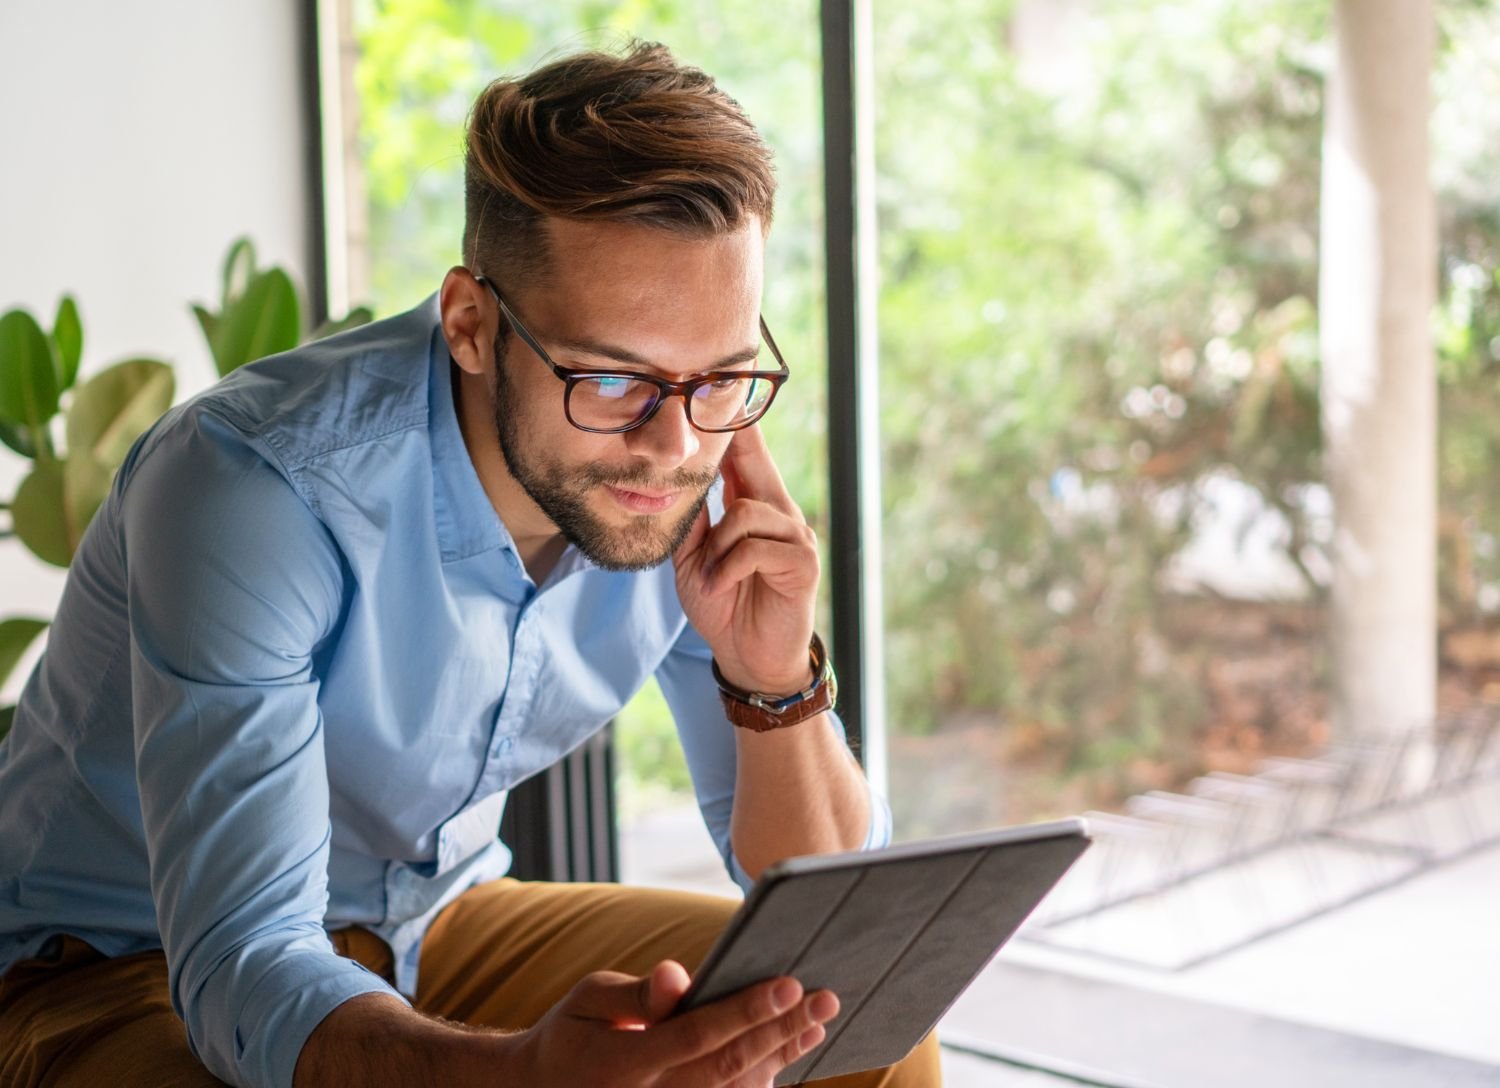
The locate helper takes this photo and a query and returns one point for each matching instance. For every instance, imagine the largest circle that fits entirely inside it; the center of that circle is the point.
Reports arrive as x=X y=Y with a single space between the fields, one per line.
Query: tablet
x=898 y=933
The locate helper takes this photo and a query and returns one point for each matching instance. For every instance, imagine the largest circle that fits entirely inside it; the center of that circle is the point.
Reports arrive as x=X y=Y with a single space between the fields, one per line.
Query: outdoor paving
x=1415 y=964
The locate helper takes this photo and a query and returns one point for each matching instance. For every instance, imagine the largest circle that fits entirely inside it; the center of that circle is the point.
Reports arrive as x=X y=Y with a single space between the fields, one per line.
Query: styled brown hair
x=637 y=138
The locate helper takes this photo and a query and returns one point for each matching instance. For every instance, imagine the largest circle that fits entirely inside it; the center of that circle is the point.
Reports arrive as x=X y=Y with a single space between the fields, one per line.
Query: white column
x=871 y=529
x=1377 y=287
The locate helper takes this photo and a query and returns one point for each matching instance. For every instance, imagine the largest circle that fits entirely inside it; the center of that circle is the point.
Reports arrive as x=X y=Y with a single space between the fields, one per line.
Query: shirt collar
x=467 y=523
x=466 y=520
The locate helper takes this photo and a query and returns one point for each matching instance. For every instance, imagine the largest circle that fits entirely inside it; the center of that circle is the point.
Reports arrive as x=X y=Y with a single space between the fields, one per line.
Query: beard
x=562 y=493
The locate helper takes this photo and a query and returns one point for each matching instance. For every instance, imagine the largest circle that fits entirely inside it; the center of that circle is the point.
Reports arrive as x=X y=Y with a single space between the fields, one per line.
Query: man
x=337 y=605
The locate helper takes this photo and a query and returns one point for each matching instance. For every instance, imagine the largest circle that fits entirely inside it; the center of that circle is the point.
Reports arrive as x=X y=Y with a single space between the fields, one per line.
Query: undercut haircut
x=635 y=138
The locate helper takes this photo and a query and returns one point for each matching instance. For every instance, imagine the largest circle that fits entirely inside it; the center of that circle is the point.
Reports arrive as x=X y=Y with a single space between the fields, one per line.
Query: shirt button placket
x=525 y=665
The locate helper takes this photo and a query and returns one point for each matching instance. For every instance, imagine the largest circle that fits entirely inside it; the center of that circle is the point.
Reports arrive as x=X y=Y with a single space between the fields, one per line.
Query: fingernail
x=824 y=1006
x=810 y=1038
x=785 y=995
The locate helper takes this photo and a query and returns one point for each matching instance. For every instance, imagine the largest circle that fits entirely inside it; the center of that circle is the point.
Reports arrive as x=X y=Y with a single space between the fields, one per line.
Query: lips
x=642 y=502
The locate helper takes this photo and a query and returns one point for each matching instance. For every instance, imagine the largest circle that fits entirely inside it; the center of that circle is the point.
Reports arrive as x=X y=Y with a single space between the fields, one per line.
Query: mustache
x=642 y=476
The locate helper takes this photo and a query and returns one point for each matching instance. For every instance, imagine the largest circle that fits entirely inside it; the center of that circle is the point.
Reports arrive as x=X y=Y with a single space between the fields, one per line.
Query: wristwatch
x=761 y=713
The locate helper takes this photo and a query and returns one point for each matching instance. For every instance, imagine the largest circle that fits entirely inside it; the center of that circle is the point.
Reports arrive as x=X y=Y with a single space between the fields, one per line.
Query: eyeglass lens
x=611 y=403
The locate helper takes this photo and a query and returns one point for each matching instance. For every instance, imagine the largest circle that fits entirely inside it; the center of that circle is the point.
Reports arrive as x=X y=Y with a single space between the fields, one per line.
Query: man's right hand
x=618 y=1030
x=611 y=1029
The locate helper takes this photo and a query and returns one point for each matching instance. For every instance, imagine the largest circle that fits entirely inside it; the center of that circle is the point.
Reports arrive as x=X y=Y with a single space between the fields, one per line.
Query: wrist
x=496 y=1058
x=760 y=710
x=788 y=683
x=377 y=1039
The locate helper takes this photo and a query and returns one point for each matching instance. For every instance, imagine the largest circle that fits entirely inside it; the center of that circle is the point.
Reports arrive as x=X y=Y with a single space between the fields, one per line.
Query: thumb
x=669 y=981
x=630 y=1000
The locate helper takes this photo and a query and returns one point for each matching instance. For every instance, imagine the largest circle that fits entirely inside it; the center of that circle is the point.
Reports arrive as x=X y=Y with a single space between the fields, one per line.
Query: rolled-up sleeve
x=233 y=585
x=687 y=682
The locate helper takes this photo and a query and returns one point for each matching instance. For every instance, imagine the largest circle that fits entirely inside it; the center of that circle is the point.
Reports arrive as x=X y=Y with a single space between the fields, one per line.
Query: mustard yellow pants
x=498 y=956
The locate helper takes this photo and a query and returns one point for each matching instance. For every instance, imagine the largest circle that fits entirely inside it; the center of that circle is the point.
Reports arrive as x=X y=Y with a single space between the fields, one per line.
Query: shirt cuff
x=881 y=825
x=737 y=872
x=282 y=1010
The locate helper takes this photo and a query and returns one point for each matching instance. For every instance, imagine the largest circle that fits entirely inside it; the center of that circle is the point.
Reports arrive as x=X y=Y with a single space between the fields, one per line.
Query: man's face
x=623 y=297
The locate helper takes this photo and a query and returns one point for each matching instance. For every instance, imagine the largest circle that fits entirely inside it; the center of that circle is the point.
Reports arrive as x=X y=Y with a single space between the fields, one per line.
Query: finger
x=746 y=1059
x=785 y=567
x=753 y=519
x=696 y=535
x=749 y=461
x=668 y=982
x=794 y=1051
x=707 y=1029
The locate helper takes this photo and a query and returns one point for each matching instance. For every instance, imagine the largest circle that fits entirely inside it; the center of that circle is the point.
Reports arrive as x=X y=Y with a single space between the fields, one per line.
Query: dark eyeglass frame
x=665 y=388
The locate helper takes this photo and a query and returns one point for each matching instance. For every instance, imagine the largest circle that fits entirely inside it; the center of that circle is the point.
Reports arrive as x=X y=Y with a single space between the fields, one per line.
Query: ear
x=470 y=321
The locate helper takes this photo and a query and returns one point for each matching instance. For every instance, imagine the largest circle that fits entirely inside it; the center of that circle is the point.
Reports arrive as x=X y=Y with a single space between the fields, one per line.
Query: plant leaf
x=360 y=315
x=28 y=376
x=16 y=634
x=17 y=439
x=39 y=515
x=114 y=407
x=209 y=323
x=86 y=482
x=67 y=338
x=239 y=270
x=265 y=320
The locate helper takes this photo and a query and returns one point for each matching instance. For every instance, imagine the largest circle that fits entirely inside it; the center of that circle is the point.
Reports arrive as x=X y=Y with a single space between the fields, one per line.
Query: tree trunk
x=1377 y=287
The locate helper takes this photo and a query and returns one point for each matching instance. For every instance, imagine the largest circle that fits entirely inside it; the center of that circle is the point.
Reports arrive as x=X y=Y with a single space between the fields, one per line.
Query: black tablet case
x=897 y=934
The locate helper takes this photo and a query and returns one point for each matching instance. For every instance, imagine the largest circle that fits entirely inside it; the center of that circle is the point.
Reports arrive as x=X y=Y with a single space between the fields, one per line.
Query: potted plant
x=41 y=401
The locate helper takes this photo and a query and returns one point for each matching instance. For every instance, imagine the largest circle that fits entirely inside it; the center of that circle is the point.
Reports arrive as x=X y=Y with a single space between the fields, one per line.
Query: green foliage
x=360 y=315
x=56 y=500
x=1098 y=297
x=41 y=512
x=260 y=313
x=652 y=765
x=1098 y=300
x=28 y=378
x=16 y=635
x=67 y=339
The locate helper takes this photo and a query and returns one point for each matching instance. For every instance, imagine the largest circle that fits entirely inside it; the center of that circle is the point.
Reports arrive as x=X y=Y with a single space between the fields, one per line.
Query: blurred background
x=1178 y=522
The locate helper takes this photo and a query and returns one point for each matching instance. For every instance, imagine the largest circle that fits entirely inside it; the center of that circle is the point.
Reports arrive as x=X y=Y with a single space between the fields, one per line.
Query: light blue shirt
x=296 y=666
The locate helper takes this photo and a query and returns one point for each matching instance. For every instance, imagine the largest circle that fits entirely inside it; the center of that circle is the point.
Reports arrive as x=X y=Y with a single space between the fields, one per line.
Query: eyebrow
x=586 y=346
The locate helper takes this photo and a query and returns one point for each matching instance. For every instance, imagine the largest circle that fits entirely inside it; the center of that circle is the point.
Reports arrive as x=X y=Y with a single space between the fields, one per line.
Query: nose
x=667 y=438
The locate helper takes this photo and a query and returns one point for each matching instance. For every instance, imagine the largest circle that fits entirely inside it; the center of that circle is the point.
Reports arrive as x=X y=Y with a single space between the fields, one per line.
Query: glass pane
x=1108 y=529
x=1097 y=309
x=609 y=403
x=420 y=66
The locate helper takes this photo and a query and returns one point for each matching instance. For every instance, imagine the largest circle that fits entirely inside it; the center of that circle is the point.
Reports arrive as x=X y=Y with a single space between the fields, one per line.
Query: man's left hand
x=749 y=584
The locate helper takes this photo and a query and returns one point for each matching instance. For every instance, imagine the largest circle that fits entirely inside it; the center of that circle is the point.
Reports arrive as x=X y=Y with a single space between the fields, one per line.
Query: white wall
x=136 y=141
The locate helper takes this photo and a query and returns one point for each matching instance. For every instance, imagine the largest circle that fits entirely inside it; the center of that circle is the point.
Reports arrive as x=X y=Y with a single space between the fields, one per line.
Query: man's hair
x=637 y=138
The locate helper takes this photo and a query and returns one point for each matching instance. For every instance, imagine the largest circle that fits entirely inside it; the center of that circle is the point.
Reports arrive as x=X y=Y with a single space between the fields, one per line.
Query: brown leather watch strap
x=761 y=713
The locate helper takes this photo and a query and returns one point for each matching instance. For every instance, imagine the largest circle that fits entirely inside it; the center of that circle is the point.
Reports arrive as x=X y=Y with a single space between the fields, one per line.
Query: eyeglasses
x=611 y=401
